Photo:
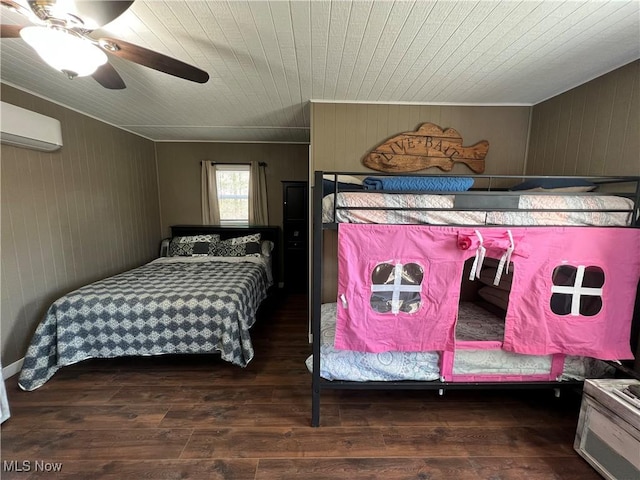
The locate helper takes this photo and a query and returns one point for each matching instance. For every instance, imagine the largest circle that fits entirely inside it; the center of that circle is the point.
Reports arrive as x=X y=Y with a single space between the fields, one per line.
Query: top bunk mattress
x=404 y=208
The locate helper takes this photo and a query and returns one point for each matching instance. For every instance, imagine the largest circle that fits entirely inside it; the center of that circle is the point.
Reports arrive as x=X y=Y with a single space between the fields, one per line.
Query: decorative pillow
x=328 y=186
x=495 y=296
x=226 y=248
x=209 y=237
x=190 y=246
x=555 y=185
x=254 y=237
x=343 y=179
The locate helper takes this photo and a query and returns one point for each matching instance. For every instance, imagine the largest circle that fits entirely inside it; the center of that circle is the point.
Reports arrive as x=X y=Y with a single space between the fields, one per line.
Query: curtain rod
x=260 y=164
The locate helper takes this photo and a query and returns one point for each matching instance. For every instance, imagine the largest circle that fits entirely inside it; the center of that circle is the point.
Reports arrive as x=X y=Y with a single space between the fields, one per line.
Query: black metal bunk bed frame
x=489 y=198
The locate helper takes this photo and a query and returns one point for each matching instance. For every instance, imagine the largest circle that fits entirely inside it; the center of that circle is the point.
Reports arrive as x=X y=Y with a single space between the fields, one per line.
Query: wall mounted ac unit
x=27 y=129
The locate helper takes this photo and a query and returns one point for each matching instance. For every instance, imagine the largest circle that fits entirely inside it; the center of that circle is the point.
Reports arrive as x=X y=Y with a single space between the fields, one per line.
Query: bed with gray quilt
x=172 y=305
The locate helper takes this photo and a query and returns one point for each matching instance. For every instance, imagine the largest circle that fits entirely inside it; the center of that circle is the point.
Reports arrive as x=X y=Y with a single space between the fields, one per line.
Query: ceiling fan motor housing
x=61 y=35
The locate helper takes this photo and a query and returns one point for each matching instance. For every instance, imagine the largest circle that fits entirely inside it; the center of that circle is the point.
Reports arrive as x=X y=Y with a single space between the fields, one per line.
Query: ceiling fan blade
x=154 y=60
x=101 y=12
x=10 y=31
x=107 y=76
x=16 y=7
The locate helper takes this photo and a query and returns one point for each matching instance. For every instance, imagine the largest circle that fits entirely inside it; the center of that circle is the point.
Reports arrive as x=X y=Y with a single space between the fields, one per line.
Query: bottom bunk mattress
x=171 y=305
x=474 y=324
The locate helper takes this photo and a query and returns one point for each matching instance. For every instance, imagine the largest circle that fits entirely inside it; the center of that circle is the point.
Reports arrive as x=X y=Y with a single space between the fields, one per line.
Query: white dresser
x=608 y=435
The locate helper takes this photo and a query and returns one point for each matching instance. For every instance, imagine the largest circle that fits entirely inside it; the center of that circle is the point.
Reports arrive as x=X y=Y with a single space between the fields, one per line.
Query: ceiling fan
x=61 y=34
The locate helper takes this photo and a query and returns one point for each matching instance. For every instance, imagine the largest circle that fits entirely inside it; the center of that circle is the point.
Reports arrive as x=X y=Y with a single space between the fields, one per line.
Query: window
x=233 y=194
x=396 y=288
x=577 y=290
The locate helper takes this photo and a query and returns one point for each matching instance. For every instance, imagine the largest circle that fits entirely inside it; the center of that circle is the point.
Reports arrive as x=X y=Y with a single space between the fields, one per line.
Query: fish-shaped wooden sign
x=429 y=146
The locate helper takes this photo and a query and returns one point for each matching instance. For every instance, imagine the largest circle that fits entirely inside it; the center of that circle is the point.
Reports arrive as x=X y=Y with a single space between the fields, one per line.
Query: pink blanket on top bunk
x=572 y=292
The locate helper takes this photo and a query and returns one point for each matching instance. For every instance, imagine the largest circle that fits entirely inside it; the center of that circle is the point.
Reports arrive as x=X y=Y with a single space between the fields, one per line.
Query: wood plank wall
x=342 y=133
x=70 y=217
x=179 y=174
x=593 y=129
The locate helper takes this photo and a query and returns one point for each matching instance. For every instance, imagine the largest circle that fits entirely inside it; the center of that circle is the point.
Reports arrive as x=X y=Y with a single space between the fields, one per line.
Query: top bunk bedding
x=408 y=208
x=397 y=200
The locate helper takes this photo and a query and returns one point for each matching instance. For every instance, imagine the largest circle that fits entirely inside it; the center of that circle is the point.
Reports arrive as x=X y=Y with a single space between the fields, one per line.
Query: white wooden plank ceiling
x=267 y=59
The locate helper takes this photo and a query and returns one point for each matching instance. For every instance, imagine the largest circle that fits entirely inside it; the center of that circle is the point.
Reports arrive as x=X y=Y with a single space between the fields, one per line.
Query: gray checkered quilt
x=159 y=308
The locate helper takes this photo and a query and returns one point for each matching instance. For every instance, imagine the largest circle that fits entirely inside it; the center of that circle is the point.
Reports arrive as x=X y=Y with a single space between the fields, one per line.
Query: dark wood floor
x=195 y=417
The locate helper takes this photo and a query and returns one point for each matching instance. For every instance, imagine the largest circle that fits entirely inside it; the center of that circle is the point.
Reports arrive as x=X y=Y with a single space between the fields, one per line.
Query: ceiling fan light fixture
x=64 y=51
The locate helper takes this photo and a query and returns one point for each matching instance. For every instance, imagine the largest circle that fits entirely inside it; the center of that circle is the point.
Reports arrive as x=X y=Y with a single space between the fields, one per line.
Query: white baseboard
x=11 y=370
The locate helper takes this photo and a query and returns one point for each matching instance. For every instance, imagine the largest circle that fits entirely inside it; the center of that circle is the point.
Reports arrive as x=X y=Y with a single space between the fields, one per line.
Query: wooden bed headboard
x=266 y=233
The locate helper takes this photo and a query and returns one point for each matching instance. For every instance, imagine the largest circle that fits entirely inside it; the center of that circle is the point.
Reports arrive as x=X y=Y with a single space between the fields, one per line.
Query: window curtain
x=210 y=208
x=258 y=211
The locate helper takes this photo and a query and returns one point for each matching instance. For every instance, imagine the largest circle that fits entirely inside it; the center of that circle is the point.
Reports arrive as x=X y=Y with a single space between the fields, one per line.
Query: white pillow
x=576 y=189
x=343 y=179
x=266 y=247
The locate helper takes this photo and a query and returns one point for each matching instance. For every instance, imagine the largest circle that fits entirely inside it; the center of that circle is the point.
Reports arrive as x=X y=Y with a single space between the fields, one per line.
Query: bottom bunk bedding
x=474 y=324
x=363 y=366
x=171 y=305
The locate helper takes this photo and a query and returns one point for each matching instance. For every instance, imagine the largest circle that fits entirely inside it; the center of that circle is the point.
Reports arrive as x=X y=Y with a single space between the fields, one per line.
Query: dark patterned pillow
x=226 y=248
x=192 y=246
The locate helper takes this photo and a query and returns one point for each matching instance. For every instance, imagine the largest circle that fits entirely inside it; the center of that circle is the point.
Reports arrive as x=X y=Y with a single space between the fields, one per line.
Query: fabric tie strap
x=480 y=254
x=343 y=299
x=504 y=260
